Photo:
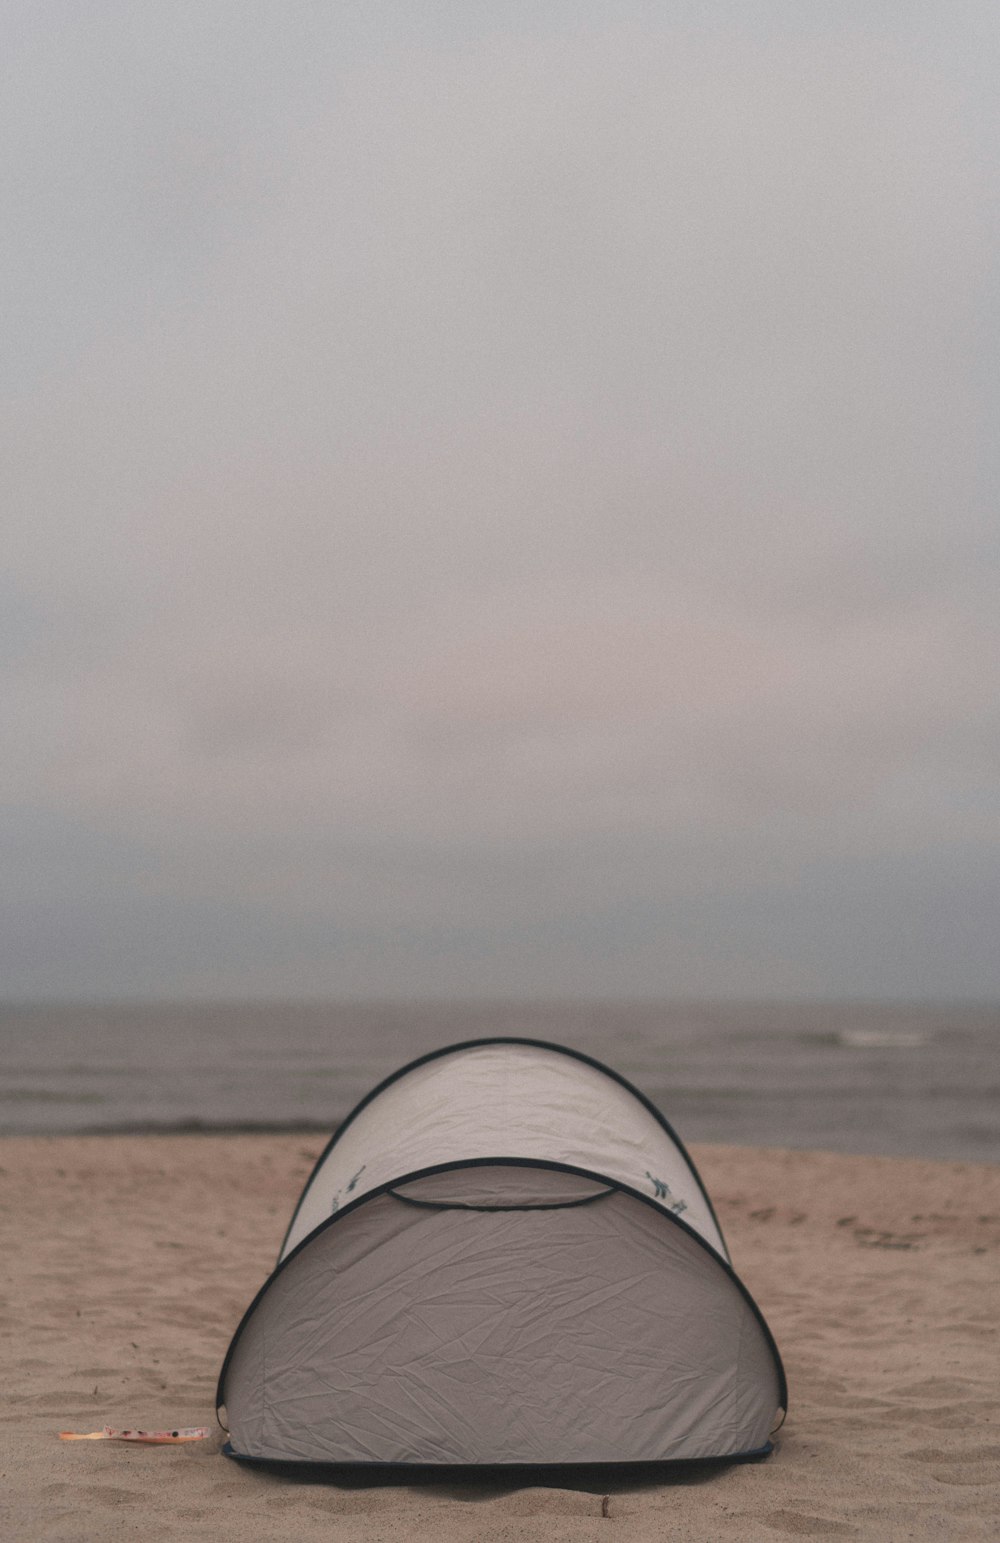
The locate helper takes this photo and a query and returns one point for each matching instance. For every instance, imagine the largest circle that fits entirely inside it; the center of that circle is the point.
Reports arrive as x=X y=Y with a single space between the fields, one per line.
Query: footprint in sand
x=801 y=1525
x=967 y=1467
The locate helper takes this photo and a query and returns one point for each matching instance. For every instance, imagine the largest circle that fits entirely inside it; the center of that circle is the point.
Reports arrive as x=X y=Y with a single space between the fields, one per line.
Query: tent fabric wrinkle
x=505 y=1256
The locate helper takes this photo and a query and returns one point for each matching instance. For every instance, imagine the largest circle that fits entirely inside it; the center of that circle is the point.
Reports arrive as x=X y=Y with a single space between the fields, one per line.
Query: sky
x=500 y=499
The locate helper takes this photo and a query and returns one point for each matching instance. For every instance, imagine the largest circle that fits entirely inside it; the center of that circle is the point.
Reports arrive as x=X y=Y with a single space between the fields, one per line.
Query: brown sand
x=128 y=1262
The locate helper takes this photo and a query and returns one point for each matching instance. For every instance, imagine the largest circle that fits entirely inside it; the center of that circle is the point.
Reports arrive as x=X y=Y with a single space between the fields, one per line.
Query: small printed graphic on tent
x=504 y=1256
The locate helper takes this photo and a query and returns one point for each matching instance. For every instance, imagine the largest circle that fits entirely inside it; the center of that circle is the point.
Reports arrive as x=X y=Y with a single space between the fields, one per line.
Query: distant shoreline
x=320 y=1134
x=180 y=1128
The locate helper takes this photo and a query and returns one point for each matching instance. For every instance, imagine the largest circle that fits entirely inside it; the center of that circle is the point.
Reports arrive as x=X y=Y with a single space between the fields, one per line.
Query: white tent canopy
x=504 y=1256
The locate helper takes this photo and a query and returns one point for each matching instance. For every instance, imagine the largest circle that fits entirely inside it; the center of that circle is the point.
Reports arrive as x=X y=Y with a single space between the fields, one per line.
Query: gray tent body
x=504 y=1257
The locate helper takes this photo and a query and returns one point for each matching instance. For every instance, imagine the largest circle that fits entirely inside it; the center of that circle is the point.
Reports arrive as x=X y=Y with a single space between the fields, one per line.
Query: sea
x=892 y=1079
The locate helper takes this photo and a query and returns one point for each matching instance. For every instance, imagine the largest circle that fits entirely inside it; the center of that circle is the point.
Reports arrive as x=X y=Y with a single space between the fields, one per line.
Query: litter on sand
x=151 y=1437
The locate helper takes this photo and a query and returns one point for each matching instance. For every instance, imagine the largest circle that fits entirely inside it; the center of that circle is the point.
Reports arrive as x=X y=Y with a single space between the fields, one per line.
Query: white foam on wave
x=884 y=1039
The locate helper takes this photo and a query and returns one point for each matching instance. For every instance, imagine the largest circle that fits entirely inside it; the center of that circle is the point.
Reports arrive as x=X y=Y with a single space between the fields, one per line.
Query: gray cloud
x=501 y=500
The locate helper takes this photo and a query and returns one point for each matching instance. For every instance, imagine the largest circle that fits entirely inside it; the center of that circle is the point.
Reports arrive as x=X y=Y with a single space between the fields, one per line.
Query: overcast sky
x=502 y=498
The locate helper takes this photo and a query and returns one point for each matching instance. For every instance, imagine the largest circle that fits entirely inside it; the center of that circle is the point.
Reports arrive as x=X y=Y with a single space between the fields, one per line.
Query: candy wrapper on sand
x=150 y=1437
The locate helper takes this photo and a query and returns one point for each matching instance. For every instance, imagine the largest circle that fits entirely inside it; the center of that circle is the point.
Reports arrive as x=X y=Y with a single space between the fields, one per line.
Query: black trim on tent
x=586 y=1476
x=475 y=1044
x=502 y=1162
x=464 y=1205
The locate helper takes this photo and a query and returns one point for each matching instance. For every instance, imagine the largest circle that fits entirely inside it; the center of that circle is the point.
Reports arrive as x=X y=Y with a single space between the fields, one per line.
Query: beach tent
x=504 y=1256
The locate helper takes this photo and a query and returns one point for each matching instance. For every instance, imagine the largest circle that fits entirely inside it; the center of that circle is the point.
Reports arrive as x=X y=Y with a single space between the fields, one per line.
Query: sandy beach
x=127 y=1262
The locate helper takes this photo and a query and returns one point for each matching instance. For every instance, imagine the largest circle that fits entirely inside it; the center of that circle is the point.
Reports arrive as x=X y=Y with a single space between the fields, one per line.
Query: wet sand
x=127 y=1263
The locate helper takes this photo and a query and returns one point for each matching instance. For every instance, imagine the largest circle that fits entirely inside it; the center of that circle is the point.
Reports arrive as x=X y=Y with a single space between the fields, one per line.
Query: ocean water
x=891 y=1079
